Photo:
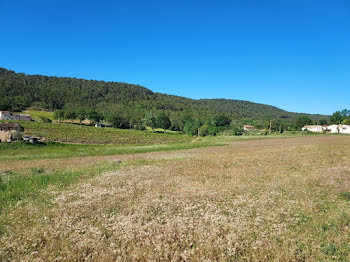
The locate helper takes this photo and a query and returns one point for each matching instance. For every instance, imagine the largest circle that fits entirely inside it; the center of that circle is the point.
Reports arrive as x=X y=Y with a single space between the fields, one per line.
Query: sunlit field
x=251 y=200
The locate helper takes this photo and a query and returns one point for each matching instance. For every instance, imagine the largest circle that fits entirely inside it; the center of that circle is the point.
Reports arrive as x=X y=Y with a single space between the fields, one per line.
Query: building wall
x=315 y=129
x=16 y=117
x=5 y=116
x=24 y=118
x=341 y=129
x=347 y=130
x=5 y=136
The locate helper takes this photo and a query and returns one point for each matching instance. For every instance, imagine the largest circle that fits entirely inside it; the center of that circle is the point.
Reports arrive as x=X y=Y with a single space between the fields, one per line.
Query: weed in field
x=37 y=170
x=328 y=249
x=345 y=195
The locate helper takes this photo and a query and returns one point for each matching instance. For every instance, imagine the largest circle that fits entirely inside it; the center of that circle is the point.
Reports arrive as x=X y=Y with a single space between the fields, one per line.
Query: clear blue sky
x=288 y=53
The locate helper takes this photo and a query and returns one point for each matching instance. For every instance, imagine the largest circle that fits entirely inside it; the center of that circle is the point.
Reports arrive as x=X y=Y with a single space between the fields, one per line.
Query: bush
x=345 y=195
x=140 y=127
x=237 y=130
x=190 y=128
x=209 y=130
x=118 y=121
x=45 y=119
x=18 y=135
x=221 y=120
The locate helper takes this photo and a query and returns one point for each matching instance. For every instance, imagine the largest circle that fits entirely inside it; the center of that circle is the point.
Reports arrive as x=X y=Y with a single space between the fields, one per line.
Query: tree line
x=191 y=123
x=341 y=117
x=19 y=91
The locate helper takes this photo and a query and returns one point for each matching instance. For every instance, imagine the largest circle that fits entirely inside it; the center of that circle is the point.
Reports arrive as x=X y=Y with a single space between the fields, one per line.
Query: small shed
x=248 y=128
x=8 y=131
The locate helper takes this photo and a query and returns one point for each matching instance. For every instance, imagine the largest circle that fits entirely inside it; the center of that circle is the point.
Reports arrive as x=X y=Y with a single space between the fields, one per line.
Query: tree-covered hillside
x=19 y=91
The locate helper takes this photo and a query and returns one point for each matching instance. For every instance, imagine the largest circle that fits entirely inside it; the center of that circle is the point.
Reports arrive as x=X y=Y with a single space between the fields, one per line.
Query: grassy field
x=36 y=114
x=74 y=133
x=24 y=151
x=19 y=151
x=252 y=200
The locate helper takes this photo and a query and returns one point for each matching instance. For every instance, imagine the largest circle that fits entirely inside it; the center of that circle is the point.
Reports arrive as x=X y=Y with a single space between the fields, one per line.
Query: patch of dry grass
x=267 y=200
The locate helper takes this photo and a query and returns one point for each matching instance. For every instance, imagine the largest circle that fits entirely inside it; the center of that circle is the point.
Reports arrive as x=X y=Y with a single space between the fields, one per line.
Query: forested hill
x=19 y=91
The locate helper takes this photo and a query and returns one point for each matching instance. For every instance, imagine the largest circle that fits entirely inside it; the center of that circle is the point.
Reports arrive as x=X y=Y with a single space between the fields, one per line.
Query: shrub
x=190 y=128
x=37 y=170
x=345 y=195
x=45 y=119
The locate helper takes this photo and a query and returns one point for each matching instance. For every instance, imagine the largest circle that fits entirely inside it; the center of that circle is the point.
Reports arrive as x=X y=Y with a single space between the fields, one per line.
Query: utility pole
x=270 y=126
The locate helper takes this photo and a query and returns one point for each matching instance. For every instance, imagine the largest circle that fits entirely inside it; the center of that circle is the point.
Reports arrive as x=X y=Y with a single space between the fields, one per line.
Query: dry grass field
x=260 y=200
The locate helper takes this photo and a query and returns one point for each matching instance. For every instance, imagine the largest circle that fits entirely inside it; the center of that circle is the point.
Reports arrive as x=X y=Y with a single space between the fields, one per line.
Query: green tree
x=191 y=128
x=345 y=113
x=303 y=121
x=117 y=121
x=81 y=114
x=208 y=130
x=45 y=119
x=346 y=121
x=59 y=114
x=94 y=116
x=337 y=118
x=19 y=103
x=5 y=103
x=150 y=120
x=323 y=122
x=221 y=120
x=280 y=126
x=18 y=135
x=70 y=115
x=163 y=121
x=237 y=130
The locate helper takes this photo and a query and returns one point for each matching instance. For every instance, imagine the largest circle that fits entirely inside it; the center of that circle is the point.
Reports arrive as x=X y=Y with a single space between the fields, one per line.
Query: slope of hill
x=250 y=109
x=19 y=91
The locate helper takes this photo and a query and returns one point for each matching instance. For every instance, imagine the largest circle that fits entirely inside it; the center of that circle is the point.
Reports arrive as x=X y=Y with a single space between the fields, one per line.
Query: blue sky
x=291 y=54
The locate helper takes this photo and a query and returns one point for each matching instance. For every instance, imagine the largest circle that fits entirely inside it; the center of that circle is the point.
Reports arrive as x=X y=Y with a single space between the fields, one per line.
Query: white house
x=341 y=129
x=315 y=128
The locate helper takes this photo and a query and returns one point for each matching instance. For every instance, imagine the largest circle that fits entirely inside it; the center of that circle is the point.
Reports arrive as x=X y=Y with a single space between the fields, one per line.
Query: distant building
x=315 y=128
x=334 y=129
x=6 y=115
x=21 y=117
x=8 y=130
x=248 y=128
x=339 y=129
